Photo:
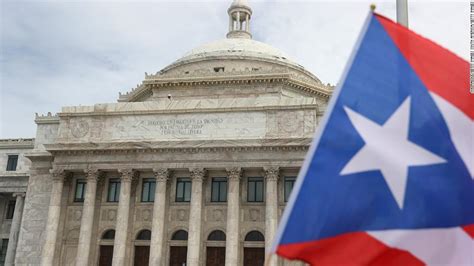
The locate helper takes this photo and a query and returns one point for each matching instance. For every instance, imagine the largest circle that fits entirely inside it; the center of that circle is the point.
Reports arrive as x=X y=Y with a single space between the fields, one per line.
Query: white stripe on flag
x=443 y=246
x=461 y=128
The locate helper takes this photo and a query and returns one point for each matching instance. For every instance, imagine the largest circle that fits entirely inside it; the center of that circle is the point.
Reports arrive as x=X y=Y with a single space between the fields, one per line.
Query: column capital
x=234 y=173
x=197 y=174
x=161 y=174
x=127 y=174
x=272 y=173
x=92 y=174
x=58 y=174
x=19 y=194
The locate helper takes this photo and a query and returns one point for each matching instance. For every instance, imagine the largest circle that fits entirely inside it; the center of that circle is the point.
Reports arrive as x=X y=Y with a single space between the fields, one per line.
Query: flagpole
x=402 y=12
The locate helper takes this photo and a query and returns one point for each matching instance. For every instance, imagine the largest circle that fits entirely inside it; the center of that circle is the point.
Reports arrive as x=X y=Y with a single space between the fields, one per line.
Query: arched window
x=109 y=235
x=254 y=236
x=144 y=235
x=180 y=235
x=216 y=235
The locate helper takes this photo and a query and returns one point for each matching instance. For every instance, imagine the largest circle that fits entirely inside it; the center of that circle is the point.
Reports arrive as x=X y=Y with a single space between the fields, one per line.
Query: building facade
x=192 y=167
x=14 y=171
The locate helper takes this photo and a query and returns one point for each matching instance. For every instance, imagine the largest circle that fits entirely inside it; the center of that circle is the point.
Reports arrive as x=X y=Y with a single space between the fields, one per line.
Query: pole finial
x=372 y=7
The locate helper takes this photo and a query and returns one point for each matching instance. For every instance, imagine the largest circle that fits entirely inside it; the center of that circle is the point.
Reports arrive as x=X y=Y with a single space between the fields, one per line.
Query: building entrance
x=178 y=256
x=215 y=256
x=142 y=255
x=105 y=255
x=254 y=256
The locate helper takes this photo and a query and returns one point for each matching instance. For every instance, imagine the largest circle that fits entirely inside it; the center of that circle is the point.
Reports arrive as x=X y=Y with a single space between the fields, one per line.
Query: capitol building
x=192 y=167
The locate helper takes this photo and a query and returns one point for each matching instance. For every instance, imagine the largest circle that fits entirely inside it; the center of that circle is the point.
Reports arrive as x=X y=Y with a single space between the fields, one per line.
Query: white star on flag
x=388 y=149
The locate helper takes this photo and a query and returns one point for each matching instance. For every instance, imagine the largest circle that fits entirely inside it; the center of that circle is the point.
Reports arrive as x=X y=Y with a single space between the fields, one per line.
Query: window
x=148 y=190
x=144 y=235
x=10 y=209
x=180 y=235
x=12 y=162
x=289 y=183
x=109 y=235
x=216 y=235
x=219 y=189
x=183 y=190
x=114 y=190
x=255 y=189
x=254 y=236
x=80 y=190
x=3 y=251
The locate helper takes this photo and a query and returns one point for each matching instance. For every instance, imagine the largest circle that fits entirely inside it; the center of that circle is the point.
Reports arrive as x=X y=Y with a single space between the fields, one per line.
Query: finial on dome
x=239 y=19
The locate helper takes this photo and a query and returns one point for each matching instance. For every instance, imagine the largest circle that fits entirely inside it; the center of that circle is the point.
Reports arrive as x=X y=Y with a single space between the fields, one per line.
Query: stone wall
x=23 y=164
x=35 y=215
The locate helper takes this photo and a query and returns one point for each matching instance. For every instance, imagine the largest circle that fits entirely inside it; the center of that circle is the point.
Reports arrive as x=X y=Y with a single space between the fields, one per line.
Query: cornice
x=17 y=143
x=279 y=145
x=195 y=110
x=143 y=90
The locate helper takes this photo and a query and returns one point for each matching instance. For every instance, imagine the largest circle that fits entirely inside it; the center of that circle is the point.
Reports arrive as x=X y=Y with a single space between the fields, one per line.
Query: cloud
x=56 y=54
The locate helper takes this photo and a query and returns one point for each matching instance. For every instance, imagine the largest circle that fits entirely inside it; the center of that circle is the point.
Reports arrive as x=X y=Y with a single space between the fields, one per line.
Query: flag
x=388 y=179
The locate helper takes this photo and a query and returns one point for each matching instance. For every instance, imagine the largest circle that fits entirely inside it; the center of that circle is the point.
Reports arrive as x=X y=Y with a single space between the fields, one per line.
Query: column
x=121 y=227
x=15 y=228
x=231 y=23
x=271 y=208
x=158 y=223
x=239 y=24
x=233 y=211
x=58 y=176
x=247 y=18
x=87 y=221
x=195 y=216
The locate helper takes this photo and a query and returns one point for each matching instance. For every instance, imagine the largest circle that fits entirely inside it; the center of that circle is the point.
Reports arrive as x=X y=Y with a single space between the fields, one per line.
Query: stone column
x=158 y=223
x=15 y=228
x=195 y=215
x=58 y=176
x=87 y=221
x=233 y=218
x=247 y=27
x=239 y=24
x=271 y=209
x=121 y=227
x=231 y=23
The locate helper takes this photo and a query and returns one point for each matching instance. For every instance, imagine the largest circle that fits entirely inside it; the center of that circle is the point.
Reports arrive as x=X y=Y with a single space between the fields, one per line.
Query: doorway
x=142 y=255
x=215 y=256
x=105 y=255
x=254 y=256
x=178 y=256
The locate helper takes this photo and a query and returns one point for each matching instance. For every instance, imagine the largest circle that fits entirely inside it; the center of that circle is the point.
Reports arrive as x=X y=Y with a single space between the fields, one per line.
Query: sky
x=64 y=53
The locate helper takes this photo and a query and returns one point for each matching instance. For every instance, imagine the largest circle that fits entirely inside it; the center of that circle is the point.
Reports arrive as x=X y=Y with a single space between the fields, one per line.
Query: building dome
x=236 y=57
x=238 y=44
x=236 y=48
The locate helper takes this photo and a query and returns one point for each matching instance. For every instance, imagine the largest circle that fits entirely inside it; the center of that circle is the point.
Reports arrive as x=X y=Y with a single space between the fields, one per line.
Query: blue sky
x=61 y=53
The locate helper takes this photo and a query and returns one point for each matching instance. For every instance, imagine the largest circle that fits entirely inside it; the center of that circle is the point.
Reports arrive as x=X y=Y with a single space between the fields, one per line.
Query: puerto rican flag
x=389 y=179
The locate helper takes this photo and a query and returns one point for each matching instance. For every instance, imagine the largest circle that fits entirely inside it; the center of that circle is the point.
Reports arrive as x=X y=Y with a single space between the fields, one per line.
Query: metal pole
x=402 y=12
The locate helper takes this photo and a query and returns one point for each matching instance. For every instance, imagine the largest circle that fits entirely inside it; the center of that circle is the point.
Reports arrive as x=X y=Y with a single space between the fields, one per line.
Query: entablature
x=271 y=145
x=144 y=90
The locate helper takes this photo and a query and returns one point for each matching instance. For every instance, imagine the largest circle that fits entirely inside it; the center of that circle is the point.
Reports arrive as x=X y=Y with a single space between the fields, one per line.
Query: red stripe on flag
x=347 y=249
x=441 y=71
x=469 y=230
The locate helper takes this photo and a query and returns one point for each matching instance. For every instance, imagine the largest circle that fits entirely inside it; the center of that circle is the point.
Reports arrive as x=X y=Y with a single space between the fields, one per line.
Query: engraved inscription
x=182 y=126
x=187 y=126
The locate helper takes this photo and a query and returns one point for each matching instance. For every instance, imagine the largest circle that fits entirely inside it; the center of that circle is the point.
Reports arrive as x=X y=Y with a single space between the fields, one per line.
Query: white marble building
x=193 y=166
x=14 y=168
